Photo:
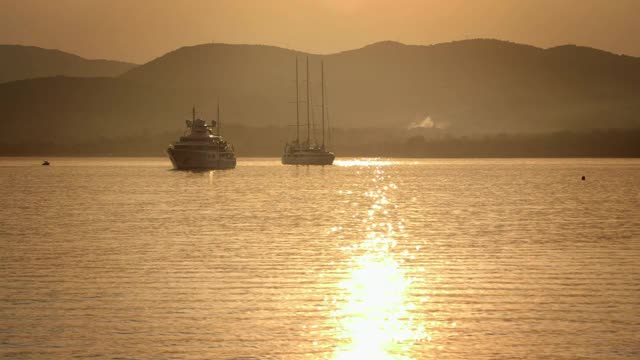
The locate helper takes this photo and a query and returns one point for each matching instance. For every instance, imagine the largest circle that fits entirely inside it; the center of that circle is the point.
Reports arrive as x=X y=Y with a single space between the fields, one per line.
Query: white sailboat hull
x=308 y=158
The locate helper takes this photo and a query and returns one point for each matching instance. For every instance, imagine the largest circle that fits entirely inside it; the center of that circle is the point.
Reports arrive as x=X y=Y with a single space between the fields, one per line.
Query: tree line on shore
x=269 y=142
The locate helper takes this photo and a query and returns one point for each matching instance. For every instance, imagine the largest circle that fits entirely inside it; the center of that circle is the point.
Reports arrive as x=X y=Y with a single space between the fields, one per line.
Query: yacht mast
x=322 y=73
x=308 y=108
x=218 y=116
x=297 y=106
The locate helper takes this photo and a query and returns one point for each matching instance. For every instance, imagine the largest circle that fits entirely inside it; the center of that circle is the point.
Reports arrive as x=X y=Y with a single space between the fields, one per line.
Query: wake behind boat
x=306 y=153
x=201 y=149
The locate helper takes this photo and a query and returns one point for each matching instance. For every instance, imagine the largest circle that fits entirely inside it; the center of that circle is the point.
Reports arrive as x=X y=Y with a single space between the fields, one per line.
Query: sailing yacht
x=306 y=152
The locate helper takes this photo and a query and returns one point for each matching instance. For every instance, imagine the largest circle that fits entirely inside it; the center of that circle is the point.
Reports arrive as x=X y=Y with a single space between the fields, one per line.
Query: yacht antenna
x=308 y=108
x=322 y=73
x=218 y=116
x=297 y=106
x=193 y=114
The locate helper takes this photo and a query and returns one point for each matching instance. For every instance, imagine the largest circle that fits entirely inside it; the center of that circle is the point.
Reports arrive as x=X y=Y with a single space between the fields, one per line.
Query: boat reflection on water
x=374 y=311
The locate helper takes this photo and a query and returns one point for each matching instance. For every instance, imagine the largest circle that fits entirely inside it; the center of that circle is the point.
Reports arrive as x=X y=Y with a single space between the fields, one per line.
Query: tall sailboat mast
x=308 y=107
x=322 y=73
x=297 y=106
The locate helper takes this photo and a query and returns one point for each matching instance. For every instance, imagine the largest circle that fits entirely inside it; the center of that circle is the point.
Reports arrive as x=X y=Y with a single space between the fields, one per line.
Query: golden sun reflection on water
x=364 y=162
x=374 y=313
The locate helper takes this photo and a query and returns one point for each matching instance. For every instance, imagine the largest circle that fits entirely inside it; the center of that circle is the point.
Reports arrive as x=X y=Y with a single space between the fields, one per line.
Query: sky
x=141 y=30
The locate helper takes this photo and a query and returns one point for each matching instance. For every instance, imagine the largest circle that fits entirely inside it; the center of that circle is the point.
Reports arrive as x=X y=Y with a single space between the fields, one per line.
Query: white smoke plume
x=426 y=123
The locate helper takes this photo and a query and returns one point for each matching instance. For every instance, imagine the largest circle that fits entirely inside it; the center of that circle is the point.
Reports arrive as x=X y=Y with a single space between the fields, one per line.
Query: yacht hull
x=308 y=158
x=201 y=160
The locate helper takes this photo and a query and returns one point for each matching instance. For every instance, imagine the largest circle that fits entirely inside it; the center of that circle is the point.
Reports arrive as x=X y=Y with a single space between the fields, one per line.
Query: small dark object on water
x=45 y=162
x=584 y=178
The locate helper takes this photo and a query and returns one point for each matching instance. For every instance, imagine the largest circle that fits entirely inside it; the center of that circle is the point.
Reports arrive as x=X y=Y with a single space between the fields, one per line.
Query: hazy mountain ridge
x=497 y=86
x=467 y=86
x=463 y=87
x=18 y=62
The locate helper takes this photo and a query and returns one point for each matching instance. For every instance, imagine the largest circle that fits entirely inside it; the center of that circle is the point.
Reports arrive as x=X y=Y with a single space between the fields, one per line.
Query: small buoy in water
x=45 y=162
x=584 y=177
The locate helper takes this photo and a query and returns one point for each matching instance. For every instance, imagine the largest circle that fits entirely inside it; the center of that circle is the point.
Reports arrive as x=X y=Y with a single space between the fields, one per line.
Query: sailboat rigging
x=308 y=153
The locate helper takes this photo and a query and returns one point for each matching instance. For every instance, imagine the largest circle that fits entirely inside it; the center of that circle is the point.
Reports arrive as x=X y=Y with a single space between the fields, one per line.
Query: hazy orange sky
x=140 y=30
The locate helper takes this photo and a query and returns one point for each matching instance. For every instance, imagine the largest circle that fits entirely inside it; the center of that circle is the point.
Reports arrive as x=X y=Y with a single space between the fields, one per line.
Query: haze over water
x=367 y=259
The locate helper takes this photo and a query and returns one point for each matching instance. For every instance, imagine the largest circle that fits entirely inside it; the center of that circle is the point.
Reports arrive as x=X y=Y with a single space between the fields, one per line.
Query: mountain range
x=463 y=88
x=19 y=62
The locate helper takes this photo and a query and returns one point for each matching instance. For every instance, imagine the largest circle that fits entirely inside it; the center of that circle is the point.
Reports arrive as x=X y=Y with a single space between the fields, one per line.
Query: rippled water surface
x=367 y=259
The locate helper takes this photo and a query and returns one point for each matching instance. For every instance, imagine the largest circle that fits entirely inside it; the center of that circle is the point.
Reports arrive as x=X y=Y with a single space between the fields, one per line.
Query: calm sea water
x=367 y=259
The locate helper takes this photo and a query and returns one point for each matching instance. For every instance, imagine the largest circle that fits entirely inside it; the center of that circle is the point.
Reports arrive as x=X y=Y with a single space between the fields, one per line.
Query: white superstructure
x=201 y=149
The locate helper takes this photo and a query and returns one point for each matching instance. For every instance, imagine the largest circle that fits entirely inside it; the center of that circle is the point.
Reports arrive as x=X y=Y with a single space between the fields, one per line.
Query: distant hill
x=464 y=87
x=26 y=62
x=489 y=86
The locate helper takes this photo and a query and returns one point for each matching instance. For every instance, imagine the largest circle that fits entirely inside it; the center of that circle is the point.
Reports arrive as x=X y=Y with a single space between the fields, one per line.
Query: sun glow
x=363 y=162
x=374 y=316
